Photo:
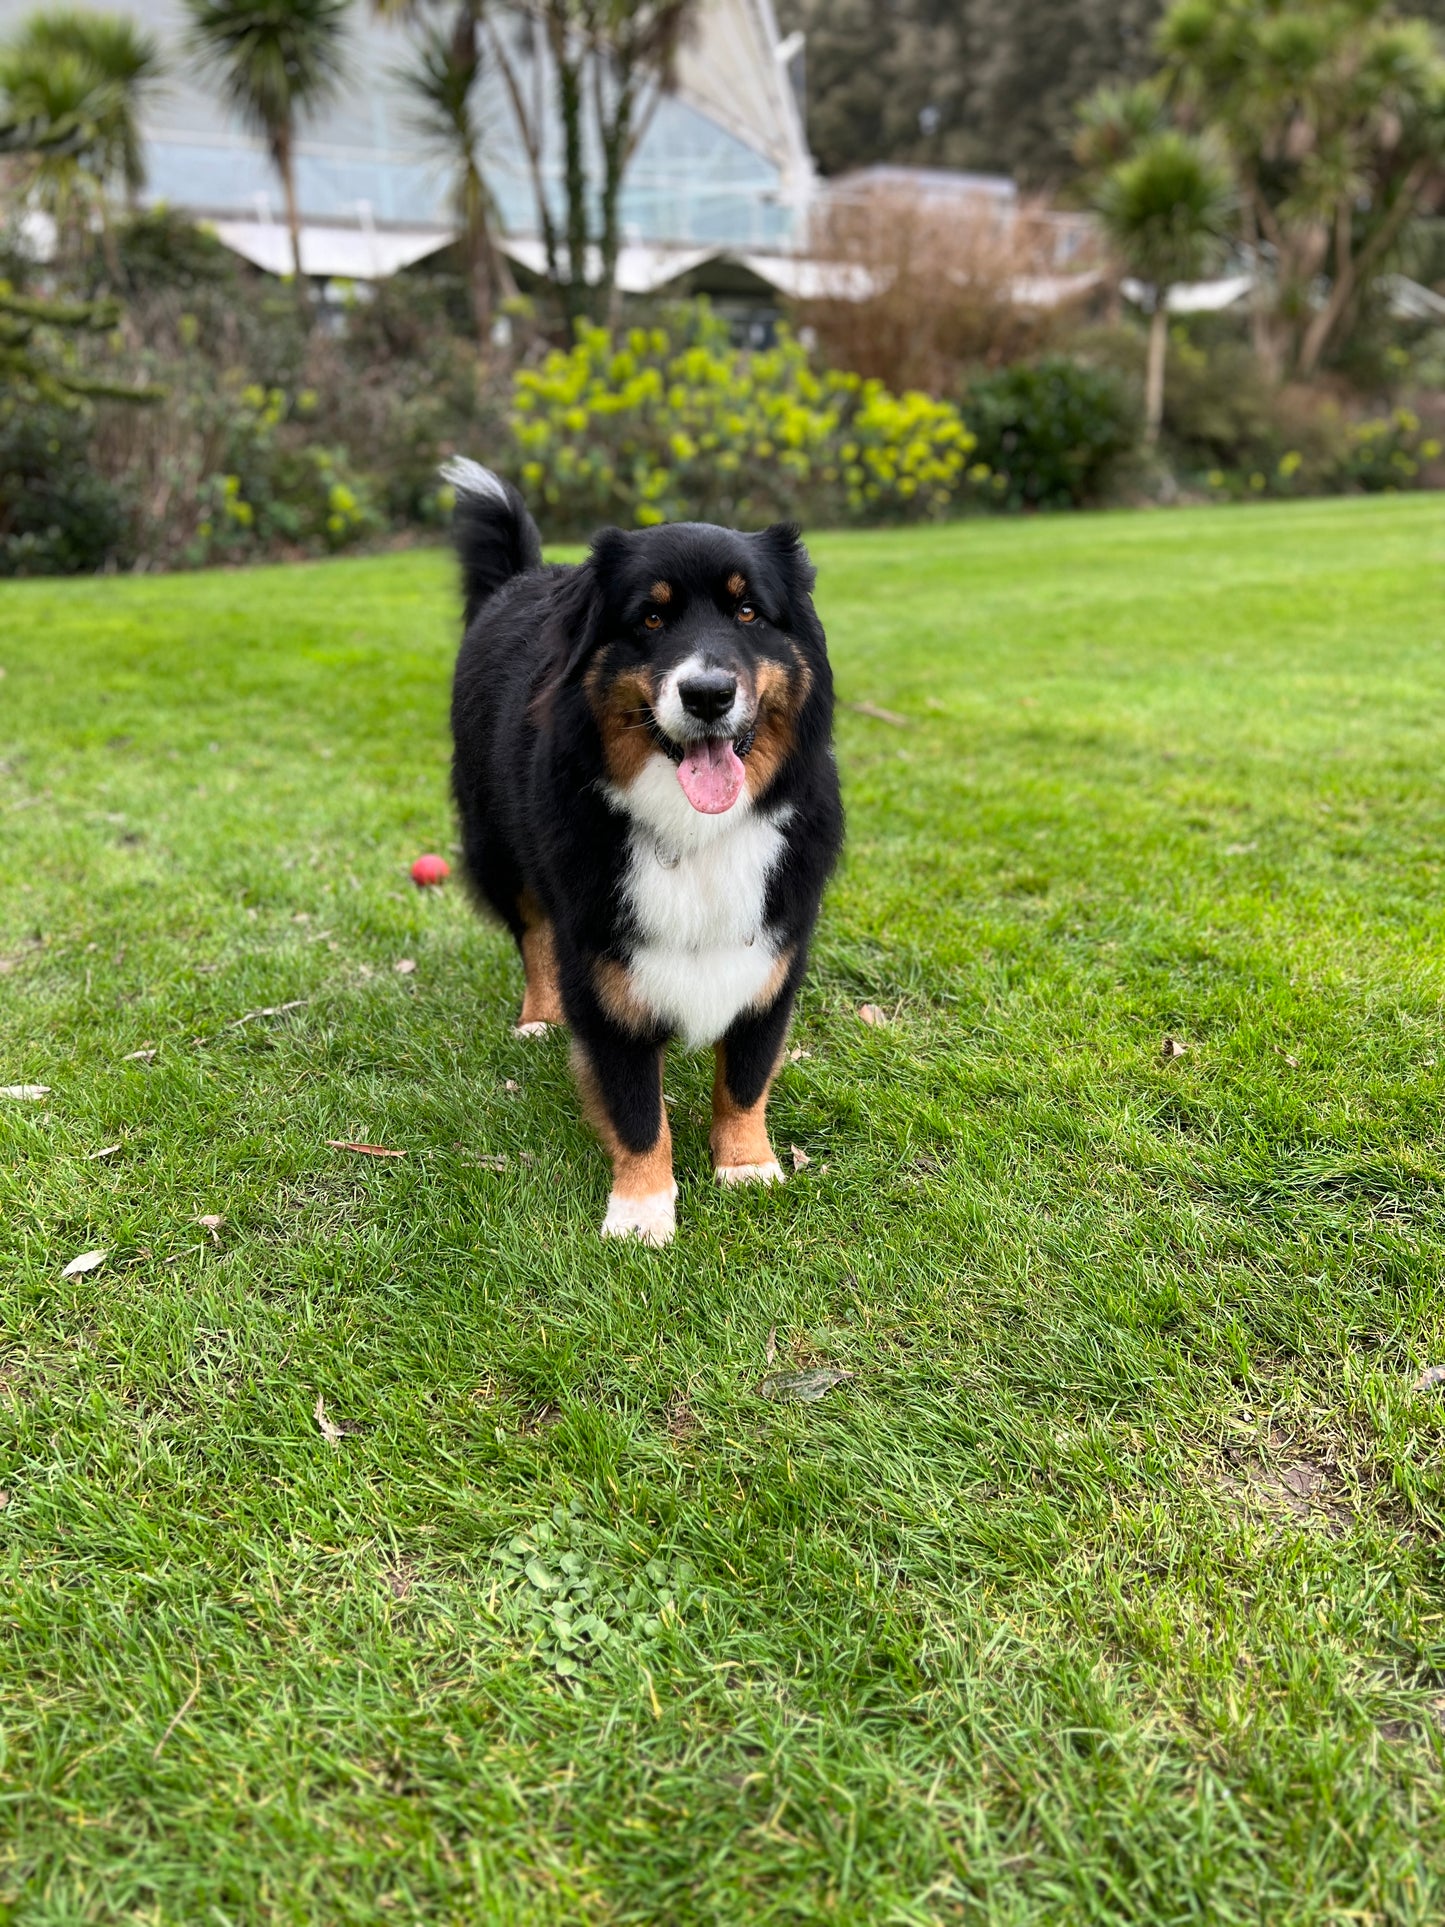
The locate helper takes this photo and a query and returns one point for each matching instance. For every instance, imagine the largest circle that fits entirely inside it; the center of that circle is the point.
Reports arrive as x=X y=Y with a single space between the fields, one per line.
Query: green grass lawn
x=1108 y=1588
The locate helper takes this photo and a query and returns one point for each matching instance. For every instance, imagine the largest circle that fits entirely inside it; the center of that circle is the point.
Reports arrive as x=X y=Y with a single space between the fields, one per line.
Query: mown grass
x=1107 y=1589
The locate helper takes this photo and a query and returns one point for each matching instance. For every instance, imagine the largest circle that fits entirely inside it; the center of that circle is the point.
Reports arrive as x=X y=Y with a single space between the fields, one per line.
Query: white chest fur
x=696 y=886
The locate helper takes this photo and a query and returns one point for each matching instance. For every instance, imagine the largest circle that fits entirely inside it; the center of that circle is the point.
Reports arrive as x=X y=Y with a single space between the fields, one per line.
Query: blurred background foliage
x=163 y=404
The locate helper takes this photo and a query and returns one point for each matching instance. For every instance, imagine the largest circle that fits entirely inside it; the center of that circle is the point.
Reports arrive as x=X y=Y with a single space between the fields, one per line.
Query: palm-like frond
x=439 y=85
x=69 y=108
x=109 y=58
x=1114 y=121
x=1166 y=207
x=272 y=60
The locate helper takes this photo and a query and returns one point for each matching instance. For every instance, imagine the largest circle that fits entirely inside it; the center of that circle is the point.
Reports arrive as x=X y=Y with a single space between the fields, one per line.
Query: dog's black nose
x=709 y=694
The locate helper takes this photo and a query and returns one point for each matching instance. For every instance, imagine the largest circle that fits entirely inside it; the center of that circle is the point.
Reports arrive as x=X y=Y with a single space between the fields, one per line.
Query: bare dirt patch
x=1277 y=1479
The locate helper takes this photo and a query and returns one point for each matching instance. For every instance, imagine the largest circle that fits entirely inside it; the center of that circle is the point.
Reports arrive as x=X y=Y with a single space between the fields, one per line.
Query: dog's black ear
x=575 y=622
x=782 y=543
x=580 y=606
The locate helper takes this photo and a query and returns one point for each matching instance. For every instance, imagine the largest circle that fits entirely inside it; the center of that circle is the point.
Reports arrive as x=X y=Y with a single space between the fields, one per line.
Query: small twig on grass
x=881 y=715
x=267 y=1010
x=181 y=1711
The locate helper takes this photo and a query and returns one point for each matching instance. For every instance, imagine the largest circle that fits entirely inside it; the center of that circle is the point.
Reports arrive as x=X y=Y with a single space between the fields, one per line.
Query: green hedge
x=1054 y=434
x=57 y=515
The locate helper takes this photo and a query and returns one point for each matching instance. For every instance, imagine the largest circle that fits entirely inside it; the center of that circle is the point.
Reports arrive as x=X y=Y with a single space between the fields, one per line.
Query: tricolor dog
x=649 y=801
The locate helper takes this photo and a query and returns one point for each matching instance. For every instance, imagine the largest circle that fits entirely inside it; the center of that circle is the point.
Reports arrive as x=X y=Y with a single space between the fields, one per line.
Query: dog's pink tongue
x=711 y=775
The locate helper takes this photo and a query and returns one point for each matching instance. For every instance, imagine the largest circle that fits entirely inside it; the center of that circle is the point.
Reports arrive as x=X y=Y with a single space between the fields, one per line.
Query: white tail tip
x=470 y=478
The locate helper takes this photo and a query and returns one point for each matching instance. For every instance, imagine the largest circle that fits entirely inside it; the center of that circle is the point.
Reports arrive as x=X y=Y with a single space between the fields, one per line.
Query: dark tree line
x=987 y=84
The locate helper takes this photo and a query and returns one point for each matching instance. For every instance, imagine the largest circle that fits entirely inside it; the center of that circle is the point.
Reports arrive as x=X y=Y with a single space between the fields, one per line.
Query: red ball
x=430 y=869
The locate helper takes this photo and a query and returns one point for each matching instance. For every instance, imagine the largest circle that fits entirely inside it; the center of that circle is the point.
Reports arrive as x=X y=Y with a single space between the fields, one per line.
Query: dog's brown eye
x=746 y=612
x=652 y=620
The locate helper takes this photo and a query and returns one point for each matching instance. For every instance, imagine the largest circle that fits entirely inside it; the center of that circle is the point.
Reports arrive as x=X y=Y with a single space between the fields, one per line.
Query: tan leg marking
x=618 y=997
x=776 y=978
x=643 y=1191
x=742 y=1152
x=542 y=998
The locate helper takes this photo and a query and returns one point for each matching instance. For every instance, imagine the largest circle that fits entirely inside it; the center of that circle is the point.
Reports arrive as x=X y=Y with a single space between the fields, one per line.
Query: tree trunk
x=479 y=260
x=569 y=101
x=489 y=273
x=616 y=147
x=108 y=247
x=286 y=167
x=530 y=129
x=1263 y=335
x=1154 y=371
x=1351 y=273
x=1342 y=287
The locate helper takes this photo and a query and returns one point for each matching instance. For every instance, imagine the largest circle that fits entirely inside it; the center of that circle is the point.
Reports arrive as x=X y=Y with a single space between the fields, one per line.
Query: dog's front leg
x=747 y=1060
x=621 y=1083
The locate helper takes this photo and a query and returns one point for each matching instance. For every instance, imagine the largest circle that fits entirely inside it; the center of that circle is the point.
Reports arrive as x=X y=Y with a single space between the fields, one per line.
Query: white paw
x=653 y=1219
x=530 y=1030
x=749 y=1173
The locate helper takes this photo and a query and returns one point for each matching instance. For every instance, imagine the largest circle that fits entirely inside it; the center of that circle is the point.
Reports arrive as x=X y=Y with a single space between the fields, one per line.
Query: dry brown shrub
x=941 y=285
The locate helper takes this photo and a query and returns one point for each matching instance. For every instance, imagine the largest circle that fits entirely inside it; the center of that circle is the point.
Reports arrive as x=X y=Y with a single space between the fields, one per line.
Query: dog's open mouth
x=710 y=768
x=711 y=774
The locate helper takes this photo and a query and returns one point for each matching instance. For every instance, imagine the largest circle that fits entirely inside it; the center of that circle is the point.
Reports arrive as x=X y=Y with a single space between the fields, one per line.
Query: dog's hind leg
x=621 y=1083
x=542 y=998
x=746 y=1062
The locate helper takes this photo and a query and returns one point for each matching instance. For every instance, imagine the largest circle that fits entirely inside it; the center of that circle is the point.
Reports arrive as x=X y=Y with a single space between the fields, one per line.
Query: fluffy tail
x=495 y=536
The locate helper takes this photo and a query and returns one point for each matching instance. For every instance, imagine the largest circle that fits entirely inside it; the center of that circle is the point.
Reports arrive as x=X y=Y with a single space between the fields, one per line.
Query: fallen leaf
x=31 y=1091
x=1433 y=1375
x=105 y=1151
x=800 y=1157
x=873 y=1014
x=770 y=1350
x=797 y=1056
x=881 y=715
x=87 y=1261
x=1293 y=1062
x=332 y=1433
x=404 y=966
x=139 y=1056
x=212 y=1223
x=366 y=1150
x=1171 y=1047
x=809 y=1386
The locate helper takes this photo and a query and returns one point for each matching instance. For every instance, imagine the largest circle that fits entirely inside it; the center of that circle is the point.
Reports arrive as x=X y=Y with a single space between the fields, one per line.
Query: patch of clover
x=562 y=1597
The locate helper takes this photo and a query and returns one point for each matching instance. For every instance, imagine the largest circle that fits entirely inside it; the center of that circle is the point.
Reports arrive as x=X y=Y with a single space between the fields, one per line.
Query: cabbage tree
x=1333 y=114
x=275 y=63
x=1165 y=207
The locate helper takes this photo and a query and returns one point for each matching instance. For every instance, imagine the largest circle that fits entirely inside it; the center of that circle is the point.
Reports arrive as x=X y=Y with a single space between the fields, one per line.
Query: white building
x=722 y=169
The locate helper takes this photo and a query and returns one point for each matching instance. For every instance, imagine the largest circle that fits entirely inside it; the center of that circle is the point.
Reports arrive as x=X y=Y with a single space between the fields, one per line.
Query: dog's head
x=700 y=657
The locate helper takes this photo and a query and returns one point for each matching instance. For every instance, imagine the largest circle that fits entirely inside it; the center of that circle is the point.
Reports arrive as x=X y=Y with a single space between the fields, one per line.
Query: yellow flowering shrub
x=673 y=423
x=274 y=489
x=1388 y=454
